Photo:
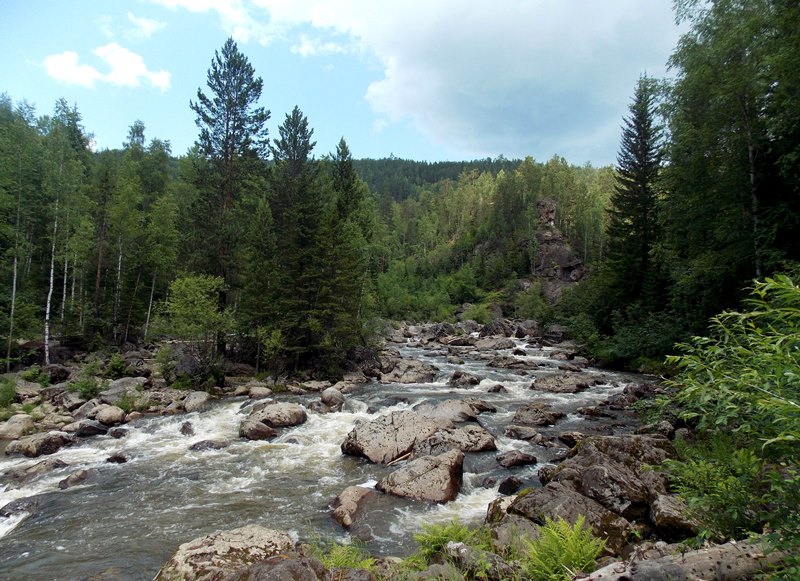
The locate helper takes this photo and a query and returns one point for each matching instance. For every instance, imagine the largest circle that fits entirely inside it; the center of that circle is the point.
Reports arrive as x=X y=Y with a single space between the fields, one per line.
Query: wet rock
x=430 y=478
x=26 y=474
x=522 y=433
x=187 y=429
x=333 y=398
x=118 y=389
x=280 y=415
x=79 y=477
x=223 y=553
x=209 y=445
x=454 y=360
x=463 y=379
x=490 y=344
x=347 y=504
x=663 y=427
x=39 y=444
x=510 y=485
x=559 y=500
x=87 y=410
x=110 y=415
x=410 y=371
x=470 y=438
x=318 y=407
x=133 y=416
x=196 y=401
x=593 y=411
x=255 y=430
x=527 y=328
x=515 y=458
x=315 y=385
x=117 y=433
x=498 y=388
x=117 y=459
x=389 y=437
x=536 y=414
x=16 y=426
x=258 y=392
x=453 y=410
x=569 y=382
x=86 y=428
x=386 y=402
x=30 y=504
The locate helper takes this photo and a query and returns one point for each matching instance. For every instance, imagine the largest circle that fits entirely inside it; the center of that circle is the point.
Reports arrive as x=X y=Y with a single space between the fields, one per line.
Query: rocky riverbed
x=448 y=421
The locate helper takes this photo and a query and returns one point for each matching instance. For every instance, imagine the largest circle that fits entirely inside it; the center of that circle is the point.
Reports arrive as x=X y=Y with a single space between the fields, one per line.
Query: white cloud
x=143 y=27
x=126 y=69
x=65 y=67
x=480 y=78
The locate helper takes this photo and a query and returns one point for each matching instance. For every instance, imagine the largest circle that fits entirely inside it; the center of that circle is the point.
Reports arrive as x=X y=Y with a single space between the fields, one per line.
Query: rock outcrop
x=389 y=437
x=430 y=478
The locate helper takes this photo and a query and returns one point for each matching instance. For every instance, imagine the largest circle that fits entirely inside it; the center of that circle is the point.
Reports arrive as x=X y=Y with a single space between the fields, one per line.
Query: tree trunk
x=64 y=284
x=728 y=562
x=118 y=289
x=130 y=307
x=150 y=306
x=100 y=245
x=50 y=291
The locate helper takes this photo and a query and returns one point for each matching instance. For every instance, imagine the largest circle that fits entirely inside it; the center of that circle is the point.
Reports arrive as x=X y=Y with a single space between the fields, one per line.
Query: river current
x=131 y=518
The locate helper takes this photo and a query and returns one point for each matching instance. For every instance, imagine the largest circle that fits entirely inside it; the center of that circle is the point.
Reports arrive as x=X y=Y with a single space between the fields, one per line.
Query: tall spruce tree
x=632 y=229
x=232 y=141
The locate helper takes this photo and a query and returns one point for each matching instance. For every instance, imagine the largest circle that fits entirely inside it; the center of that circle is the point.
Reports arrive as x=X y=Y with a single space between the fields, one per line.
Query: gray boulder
x=196 y=401
x=124 y=387
x=255 y=430
x=333 y=398
x=463 y=379
x=346 y=505
x=469 y=438
x=410 y=371
x=389 y=437
x=84 y=428
x=79 y=477
x=492 y=344
x=110 y=415
x=559 y=500
x=515 y=458
x=39 y=444
x=26 y=474
x=430 y=478
x=280 y=415
x=220 y=554
x=203 y=445
x=16 y=426
x=569 y=382
x=536 y=414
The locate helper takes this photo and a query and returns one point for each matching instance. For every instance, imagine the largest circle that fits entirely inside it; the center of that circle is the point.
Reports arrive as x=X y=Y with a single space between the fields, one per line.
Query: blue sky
x=419 y=79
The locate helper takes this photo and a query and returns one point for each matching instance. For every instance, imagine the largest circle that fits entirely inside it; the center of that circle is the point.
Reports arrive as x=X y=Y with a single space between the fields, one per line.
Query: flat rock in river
x=569 y=382
x=39 y=444
x=390 y=436
x=536 y=414
x=469 y=438
x=410 y=371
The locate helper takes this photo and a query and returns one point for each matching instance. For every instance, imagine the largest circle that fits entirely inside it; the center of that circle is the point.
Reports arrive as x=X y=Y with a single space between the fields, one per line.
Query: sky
x=418 y=79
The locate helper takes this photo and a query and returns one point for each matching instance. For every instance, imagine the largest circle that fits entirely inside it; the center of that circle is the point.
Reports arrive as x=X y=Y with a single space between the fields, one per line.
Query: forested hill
x=259 y=247
x=399 y=179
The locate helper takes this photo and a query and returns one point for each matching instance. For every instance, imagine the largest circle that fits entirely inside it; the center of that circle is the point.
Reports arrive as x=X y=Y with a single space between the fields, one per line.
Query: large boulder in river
x=569 y=382
x=498 y=327
x=492 y=344
x=346 y=505
x=559 y=500
x=410 y=371
x=431 y=478
x=196 y=401
x=332 y=398
x=221 y=554
x=536 y=414
x=256 y=430
x=469 y=438
x=454 y=410
x=28 y=473
x=16 y=426
x=39 y=444
x=463 y=379
x=389 y=437
x=280 y=415
x=110 y=415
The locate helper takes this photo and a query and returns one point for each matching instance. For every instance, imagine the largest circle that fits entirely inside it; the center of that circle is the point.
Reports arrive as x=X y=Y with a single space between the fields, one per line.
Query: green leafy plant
x=350 y=556
x=116 y=367
x=561 y=551
x=88 y=387
x=8 y=391
x=433 y=538
x=166 y=358
x=37 y=375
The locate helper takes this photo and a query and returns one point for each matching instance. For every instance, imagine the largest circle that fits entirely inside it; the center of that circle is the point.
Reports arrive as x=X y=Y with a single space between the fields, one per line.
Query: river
x=130 y=519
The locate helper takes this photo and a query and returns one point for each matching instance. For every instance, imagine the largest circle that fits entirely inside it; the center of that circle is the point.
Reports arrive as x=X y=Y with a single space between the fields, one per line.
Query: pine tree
x=632 y=228
x=232 y=141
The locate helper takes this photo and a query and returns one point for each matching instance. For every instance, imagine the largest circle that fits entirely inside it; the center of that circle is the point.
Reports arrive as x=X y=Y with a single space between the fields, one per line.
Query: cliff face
x=556 y=265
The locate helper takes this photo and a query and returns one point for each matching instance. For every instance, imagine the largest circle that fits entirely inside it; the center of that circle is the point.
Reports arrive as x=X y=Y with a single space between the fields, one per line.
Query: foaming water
x=130 y=517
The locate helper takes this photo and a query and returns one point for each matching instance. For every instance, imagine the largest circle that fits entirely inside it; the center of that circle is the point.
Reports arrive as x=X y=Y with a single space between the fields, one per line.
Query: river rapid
x=131 y=518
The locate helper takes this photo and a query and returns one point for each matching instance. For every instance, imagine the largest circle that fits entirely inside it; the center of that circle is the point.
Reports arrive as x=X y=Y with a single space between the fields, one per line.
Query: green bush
x=561 y=551
x=87 y=387
x=477 y=313
x=117 y=367
x=35 y=374
x=433 y=538
x=350 y=556
x=8 y=392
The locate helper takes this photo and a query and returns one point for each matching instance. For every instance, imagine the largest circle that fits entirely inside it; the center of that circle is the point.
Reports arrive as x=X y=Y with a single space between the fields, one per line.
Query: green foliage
x=166 y=358
x=561 y=551
x=478 y=313
x=88 y=387
x=432 y=539
x=7 y=391
x=116 y=367
x=37 y=375
x=531 y=304
x=350 y=556
x=128 y=403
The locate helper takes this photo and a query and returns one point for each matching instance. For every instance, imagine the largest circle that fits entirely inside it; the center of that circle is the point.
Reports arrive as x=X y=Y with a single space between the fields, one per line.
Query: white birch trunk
x=118 y=287
x=50 y=291
x=149 y=306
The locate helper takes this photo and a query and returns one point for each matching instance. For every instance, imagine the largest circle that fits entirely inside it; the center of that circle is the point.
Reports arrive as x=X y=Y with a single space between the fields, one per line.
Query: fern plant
x=561 y=551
